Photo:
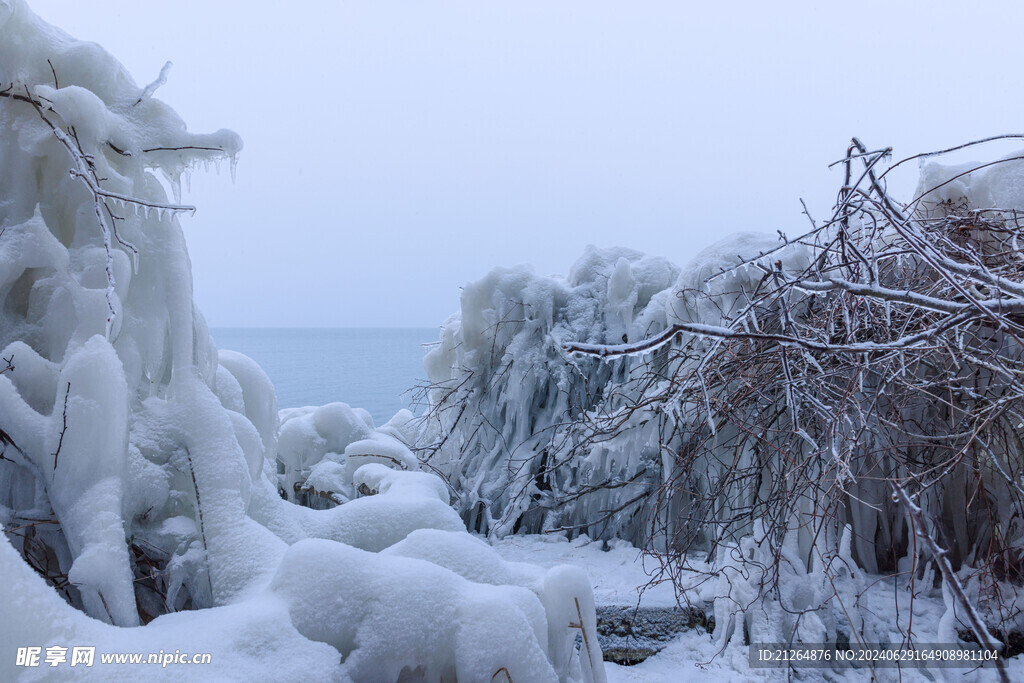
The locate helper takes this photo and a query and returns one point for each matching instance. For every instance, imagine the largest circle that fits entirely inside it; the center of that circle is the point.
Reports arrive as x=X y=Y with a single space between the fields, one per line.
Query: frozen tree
x=104 y=341
x=139 y=479
x=756 y=408
x=508 y=420
x=880 y=345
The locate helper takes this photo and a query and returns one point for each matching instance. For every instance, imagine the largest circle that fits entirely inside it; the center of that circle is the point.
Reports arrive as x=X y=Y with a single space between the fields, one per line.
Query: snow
x=311 y=434
x=559 y=582
x=618 y=570
x=169 y=504
x=385 y=614
x=380 y=448
x=88 y=470
x=254 y=640
x=258 y=404
x=889 y=608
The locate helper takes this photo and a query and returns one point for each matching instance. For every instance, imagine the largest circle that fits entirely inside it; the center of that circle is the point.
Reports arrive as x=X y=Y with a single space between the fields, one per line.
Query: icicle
x=234 y=167
x=152 y=87
x=176 y=188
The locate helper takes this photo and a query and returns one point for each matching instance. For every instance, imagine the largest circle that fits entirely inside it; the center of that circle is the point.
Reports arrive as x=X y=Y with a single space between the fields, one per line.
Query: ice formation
x=502 y=391
x=140 y=472
x=510 y=410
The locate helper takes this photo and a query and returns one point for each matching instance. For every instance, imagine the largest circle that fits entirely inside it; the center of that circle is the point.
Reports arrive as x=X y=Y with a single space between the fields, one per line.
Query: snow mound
x=321 y=448
x=390 y=616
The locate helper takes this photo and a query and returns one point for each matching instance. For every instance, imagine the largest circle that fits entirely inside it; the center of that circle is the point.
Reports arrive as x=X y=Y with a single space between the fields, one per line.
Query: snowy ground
x=618 y=572
x=619 y=575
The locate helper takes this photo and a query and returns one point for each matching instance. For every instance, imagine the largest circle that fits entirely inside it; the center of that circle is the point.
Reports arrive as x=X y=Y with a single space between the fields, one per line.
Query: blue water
x=364 y=367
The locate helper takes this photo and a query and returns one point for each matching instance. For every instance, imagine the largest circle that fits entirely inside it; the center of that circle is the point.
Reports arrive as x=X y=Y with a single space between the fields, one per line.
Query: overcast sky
x=396 y=150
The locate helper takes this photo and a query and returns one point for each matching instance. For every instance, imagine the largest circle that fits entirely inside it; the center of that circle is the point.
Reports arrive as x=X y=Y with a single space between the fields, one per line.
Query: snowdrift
x=139 y=477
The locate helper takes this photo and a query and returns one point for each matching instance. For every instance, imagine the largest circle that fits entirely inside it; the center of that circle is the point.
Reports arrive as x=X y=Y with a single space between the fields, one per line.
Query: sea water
x=372 y=368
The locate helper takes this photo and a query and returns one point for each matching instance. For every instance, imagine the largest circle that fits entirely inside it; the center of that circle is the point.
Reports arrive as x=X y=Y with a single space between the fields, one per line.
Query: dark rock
x=629 y=635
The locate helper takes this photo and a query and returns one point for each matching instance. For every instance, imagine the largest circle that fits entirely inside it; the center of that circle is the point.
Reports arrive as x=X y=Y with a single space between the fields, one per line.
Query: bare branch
x=956 y=588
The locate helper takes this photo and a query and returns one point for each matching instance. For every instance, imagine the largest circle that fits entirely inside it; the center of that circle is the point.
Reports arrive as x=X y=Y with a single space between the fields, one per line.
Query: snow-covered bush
x=139 y=472
x=321 y=447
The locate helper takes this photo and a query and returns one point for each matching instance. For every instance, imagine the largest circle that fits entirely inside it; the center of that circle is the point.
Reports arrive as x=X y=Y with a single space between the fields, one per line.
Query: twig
x=581 y=627
x=940 y=555
x=64 y=427
x=56 y=84
x=202 y=523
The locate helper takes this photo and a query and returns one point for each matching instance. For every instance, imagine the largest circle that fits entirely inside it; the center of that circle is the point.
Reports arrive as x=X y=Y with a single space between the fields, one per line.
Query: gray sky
x=396 y=150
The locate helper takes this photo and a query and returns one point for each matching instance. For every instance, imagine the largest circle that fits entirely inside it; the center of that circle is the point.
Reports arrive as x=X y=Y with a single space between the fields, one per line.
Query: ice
x=992 y=185
x=176 y=189
x=505 y=395
x=500 y=356
x=148 y=91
